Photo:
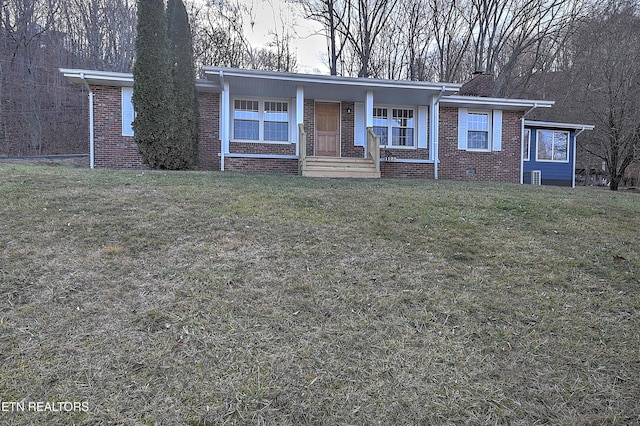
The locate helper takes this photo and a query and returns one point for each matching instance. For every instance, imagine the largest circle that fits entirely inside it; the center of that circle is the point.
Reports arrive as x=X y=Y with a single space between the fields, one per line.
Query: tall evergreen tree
x=186 y=118
x=152 y=95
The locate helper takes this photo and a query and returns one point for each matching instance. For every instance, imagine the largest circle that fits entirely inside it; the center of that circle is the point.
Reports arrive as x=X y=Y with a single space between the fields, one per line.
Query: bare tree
x=26 y=23
x=102 y=32
x=607 y=93
x=504 y=30
x=452 y=37
x=331 y=14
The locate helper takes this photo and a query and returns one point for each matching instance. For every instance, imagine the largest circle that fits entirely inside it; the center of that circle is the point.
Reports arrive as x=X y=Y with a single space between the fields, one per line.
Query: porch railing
x=373 y=147
x=302 y=148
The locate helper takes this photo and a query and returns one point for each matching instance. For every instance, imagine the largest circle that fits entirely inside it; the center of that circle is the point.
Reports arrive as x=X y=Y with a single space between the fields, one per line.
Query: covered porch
x=325 y=125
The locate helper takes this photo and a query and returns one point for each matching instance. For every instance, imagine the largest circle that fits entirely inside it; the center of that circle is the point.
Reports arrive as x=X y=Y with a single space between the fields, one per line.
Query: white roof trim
x=554 y=125
x=119 y=79
x=503 y=103
x=98 y=77
x=329 y=79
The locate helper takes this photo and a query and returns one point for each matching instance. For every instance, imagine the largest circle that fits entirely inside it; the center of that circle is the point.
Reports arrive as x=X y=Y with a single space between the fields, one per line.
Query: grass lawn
x=205 y=298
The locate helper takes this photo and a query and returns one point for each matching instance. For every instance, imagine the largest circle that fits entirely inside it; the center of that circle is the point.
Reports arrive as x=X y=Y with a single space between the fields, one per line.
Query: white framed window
x=380 y=124
x=478 y=131
x=256 y=120
x=552 y=145
x=395 y=126
x=276 y=121
x=526 y=145
x=246 y=120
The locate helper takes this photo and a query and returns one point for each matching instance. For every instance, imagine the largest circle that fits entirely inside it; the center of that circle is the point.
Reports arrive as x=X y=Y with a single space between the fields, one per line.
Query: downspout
x=575 y=154
x=91 y=133
x=223 y=127
x=535 y=105
x=435 y=134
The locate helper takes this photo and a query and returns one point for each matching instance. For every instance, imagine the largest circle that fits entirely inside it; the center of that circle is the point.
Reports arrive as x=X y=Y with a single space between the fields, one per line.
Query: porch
x=340 y=167
x=327 y=126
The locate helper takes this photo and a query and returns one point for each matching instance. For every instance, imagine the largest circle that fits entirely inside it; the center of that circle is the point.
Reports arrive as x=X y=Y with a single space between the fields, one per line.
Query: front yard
x=206 y=298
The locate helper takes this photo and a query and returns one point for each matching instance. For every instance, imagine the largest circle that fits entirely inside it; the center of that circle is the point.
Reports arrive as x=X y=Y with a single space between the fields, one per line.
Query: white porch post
x=369 y=109
x=299 y=115
x=224 y=123
x=368 y=116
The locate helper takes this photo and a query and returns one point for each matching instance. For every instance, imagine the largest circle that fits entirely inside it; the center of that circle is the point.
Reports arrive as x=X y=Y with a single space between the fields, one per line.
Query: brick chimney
x=481 y=84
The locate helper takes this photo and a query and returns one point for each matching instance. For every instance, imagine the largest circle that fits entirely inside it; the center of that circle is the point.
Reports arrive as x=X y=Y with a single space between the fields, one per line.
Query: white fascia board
x=120 y=79
x=332 y=79
x=554 y=125
x=493 y=103
x=99 y=78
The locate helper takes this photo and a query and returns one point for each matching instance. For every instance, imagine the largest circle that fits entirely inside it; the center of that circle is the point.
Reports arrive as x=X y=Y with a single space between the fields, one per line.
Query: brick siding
x=347 y=132
x=262 y=165
x=209 y=144
x=406 y=170
x=262 y=148
x=112 y=150
x=495 y=166
x=309 y=125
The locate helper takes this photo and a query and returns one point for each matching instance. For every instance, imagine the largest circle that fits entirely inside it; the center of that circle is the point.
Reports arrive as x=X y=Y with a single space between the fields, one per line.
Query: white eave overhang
x=119 y=79
x=554 y=125
x=459 y=101
x=327 y=87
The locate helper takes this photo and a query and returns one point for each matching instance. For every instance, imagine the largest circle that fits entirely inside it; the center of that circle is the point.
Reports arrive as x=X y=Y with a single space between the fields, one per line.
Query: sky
x=269 y=15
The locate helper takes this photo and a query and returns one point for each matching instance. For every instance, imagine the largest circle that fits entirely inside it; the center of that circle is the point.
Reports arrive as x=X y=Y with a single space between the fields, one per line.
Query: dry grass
x=206 y=298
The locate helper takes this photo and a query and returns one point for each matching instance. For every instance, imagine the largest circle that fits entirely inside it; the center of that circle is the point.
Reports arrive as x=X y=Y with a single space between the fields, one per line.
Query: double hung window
x=399 y=123
x=260 y=120
x=478 y=131
x=380 y=125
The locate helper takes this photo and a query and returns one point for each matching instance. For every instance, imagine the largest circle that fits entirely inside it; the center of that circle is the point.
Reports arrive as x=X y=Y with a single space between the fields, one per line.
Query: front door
x=327 y=130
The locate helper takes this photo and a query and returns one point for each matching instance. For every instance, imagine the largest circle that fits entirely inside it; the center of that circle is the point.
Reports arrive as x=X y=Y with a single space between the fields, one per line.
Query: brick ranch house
x=316 y=125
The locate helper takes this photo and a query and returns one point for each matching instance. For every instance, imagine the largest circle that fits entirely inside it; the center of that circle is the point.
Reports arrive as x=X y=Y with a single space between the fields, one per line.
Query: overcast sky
x=269 y=15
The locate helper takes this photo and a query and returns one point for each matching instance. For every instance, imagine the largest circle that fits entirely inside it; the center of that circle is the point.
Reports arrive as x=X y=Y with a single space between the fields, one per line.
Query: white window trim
x=526 y=156
x=495 y=129
x=261 y=119
x=489 y=115
x=552 y=160
x=390 y=126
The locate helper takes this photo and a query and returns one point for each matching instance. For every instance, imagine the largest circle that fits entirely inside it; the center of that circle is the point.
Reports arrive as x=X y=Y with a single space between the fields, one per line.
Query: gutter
x=436 y=131
x=91 y=132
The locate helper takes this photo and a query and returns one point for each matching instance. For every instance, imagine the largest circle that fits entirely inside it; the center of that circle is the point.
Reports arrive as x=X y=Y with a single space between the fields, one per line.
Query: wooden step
x=340 y=174
x=340 y=167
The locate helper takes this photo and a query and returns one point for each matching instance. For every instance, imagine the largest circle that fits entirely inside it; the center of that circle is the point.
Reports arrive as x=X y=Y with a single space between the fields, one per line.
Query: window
x=276 y=121
x=478 y=131
x=260 y=121
x=397 y=122
x=246 y=120
x=380 y=126
x=402 y=127
x=526 y=146
x=552 y=146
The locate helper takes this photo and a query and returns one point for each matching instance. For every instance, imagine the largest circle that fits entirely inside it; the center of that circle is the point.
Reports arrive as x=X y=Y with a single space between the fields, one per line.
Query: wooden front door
x=327 y=130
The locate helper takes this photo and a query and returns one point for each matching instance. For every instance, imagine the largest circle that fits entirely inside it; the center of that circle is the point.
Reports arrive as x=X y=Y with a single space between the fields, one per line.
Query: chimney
x=481 y=84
